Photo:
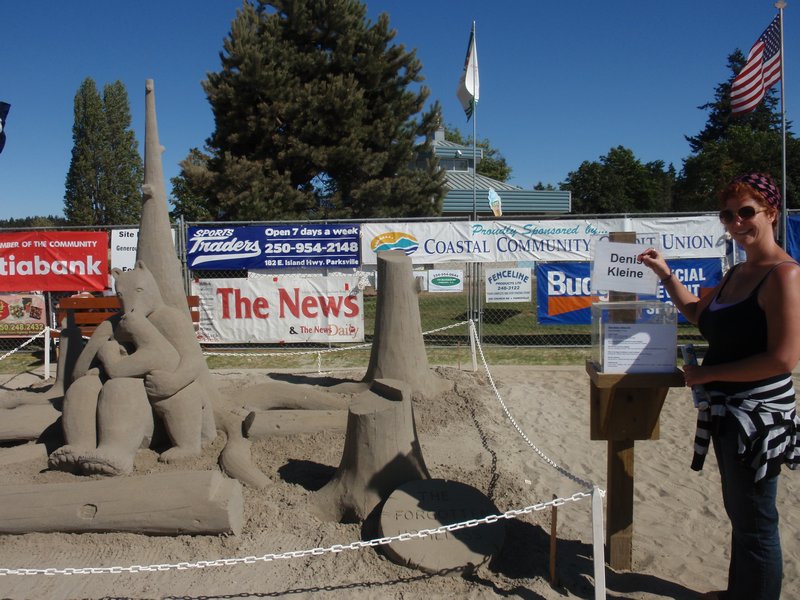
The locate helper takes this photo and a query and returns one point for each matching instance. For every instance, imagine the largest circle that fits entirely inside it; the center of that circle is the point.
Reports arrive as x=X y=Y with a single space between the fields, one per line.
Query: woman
x=751 y=321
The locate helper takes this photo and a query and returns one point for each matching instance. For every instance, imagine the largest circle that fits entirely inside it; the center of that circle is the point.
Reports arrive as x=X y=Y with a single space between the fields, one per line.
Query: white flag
x=469 y=89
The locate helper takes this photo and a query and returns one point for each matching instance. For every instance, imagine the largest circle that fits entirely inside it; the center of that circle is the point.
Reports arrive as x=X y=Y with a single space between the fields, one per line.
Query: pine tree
x=123 y=170
x=105 y=172
x=315 y=119
x=764 y=117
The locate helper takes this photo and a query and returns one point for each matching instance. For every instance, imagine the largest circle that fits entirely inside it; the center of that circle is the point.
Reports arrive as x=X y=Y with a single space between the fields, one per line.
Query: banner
x=793 y=236
x=546 y=240
x=123 y=248
x=53 y=261
x=280 y=310
x=564 y=290
x=22 y=315
x=508 y=285
x=281 y=246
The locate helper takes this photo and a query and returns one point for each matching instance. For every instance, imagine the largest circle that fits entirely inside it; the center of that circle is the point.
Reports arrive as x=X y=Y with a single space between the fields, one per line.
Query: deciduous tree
x=619 y=183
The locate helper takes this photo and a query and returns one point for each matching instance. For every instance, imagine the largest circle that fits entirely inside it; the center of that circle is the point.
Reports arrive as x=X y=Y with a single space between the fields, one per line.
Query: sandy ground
x=680 y=538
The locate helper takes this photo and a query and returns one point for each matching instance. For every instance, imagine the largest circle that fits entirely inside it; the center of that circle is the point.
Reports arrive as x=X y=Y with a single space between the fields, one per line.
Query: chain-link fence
x=499 y=324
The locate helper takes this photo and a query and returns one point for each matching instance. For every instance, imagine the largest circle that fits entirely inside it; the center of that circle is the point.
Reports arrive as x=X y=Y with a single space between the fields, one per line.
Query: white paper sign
x=450 y=280
x=508 y=285
x=617 y=268
x=639 y=348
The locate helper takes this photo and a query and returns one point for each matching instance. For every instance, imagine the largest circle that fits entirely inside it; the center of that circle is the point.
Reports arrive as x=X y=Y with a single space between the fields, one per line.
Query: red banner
x=53 y=261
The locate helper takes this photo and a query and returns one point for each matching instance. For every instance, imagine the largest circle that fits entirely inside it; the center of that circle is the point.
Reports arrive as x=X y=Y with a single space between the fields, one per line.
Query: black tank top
x=735 y=332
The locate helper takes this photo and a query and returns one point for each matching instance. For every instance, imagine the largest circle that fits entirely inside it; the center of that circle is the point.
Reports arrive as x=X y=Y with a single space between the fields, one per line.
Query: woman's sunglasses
x=727 y=216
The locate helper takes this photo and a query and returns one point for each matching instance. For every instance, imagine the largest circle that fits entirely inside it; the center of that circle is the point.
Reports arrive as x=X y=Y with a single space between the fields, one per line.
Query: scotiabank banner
x=53 y=261
x=276 y=309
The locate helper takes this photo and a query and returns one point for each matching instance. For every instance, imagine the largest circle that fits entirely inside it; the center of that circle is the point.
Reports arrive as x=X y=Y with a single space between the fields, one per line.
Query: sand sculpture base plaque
x=429 y=504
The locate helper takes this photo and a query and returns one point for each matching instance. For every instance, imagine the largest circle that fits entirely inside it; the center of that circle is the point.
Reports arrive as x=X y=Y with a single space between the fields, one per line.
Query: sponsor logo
x=394 y=240
x=445 y=280
x=567 y=294
x=217 y=244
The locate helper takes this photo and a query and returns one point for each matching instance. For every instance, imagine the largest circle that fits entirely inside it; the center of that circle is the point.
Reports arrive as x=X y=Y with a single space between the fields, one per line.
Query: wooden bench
x=87 y=313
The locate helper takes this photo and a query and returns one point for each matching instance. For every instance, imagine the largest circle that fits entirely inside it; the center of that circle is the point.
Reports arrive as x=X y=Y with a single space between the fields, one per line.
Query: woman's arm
x=689 y=305
x=779 y=298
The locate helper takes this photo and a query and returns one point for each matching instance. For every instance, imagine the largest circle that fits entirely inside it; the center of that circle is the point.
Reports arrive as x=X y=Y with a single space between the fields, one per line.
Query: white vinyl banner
x=280 y=310
x=123 y=248
x=546 y=240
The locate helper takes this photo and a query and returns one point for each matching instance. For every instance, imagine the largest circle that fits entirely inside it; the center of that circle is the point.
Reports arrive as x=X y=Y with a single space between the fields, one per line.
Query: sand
x=680 y=530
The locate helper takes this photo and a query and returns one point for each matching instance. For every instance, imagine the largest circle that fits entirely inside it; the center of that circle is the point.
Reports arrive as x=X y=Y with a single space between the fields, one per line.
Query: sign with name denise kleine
x=617 y=268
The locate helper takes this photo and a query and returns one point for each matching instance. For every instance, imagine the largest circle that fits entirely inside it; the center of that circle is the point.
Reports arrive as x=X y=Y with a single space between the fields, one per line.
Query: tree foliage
x=105 y=172
x=33 y=222
x=493 y=164
x=731 y=145
x=315 y=117
x=620 y=183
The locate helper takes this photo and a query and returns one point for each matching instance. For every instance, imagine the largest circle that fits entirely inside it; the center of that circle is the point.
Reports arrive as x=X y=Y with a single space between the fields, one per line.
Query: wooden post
x=624 y=407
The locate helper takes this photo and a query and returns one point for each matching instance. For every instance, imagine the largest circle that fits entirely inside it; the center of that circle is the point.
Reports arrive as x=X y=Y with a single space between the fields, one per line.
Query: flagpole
x=780 y=5
x=474 y=134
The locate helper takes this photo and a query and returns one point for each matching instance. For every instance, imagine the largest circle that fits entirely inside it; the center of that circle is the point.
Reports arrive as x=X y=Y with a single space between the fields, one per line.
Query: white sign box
x=617 y=268
x=638 y=348
x=508 y=285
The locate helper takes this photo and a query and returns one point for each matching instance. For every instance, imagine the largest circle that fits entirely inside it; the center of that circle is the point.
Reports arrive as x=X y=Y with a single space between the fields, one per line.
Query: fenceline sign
x=508 y=285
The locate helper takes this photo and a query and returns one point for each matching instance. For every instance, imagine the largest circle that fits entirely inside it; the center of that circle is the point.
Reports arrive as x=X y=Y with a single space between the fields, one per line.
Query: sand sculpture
x=144 y=367
x=121 y=390
x=146 y=357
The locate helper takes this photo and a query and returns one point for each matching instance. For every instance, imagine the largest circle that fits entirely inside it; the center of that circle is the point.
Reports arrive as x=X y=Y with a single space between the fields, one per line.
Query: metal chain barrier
x=326 y=351
x=23 y=344
x=542 y=455
x=335 y=549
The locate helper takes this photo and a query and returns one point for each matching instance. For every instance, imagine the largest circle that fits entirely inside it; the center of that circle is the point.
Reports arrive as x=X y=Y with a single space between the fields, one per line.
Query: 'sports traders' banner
x=53 y=261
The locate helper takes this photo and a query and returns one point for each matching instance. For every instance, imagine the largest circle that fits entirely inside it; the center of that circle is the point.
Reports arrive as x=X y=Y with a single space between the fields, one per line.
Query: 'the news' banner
x=275 y=309
x=53 y=261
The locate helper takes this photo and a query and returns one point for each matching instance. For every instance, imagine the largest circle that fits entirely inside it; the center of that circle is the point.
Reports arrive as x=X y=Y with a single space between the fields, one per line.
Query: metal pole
x=780 y=5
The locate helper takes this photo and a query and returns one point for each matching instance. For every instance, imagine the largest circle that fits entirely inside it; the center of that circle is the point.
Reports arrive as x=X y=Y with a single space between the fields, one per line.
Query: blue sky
x=560 y=82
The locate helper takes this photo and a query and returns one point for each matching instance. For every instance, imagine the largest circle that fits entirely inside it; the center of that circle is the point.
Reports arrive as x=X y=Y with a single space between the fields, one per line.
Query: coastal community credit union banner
x=280 y=309
x=280 y=246
x=564 y=290
x=546 y=240
x=53 y=261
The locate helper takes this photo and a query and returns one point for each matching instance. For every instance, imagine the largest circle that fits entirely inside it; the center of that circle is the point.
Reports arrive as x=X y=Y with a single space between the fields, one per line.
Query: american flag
x=761 y=72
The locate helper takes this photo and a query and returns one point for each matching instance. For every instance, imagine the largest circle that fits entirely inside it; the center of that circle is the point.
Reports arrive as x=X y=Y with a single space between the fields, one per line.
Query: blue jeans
x=756 y=567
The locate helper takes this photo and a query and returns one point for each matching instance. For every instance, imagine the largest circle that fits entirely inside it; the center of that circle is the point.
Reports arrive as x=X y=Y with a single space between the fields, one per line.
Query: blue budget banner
x=283 y=246
x=564 y=297
x=564 y=293
x=793 y=236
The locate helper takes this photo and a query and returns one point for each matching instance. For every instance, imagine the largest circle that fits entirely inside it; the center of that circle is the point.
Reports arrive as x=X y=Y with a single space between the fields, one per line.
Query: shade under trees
x=318 y=114
x=105 y=172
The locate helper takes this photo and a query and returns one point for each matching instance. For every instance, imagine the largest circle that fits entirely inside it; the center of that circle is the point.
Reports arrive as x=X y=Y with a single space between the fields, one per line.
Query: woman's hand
x=695 y=375
x=652 y=259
